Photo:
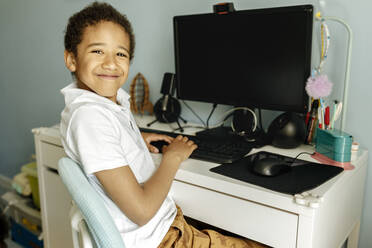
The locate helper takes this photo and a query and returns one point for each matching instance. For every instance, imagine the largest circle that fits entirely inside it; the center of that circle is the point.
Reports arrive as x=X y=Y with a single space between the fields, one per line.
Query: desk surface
x=197 y=172
x=328 y=224
x=333 y=218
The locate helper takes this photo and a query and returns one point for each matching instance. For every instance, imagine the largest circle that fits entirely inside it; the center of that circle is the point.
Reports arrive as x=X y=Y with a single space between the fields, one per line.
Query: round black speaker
x=168 y=113
x=288 y=130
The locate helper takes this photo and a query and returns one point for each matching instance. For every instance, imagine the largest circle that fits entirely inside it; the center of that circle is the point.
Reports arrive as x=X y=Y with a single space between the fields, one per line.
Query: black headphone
x=167 y=109
x=244 y=122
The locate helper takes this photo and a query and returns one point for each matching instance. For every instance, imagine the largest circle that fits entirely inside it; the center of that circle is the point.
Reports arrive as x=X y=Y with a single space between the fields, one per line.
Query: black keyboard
x=216 y=150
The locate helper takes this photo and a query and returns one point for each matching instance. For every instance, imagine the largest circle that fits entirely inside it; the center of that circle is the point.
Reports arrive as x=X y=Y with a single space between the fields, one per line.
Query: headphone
x=244 y=121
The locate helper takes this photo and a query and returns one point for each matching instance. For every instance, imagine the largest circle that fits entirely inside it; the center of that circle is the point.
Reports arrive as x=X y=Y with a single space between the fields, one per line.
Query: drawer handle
x=52 y=170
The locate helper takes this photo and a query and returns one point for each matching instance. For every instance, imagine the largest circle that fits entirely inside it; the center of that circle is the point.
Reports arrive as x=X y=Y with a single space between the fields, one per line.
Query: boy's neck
x=83 y=86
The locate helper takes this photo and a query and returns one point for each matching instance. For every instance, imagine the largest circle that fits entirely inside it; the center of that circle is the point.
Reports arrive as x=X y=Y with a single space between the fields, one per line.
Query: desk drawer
x=51 y=154
x=255 y=221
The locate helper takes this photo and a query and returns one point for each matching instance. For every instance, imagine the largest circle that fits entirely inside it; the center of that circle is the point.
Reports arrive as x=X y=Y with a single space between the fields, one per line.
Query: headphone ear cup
x=243 y=122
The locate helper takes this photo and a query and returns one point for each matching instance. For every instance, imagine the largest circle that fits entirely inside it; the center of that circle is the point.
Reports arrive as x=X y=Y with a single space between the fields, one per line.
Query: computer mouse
x=269 y=167
x=159 y=144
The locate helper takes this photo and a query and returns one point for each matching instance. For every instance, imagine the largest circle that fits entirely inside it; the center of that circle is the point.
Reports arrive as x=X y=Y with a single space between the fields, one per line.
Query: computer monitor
x=257 y=58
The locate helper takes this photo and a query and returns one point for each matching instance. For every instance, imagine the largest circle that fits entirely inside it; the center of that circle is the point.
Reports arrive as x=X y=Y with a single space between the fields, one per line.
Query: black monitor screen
x=257 y=58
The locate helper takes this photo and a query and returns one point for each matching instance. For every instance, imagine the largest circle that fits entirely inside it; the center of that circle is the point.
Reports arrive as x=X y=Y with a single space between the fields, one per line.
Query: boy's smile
x=102 y=61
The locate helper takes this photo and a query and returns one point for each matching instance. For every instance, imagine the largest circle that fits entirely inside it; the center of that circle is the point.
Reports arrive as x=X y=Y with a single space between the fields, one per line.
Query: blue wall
x=32 y=69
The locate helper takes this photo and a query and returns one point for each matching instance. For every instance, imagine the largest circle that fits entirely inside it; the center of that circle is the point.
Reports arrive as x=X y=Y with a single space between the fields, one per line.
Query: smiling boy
x=102 y=60
x=99 y=132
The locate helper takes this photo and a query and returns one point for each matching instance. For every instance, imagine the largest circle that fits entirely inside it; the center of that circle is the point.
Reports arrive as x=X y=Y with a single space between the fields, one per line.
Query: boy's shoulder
x=91 y=112
x=93 y=119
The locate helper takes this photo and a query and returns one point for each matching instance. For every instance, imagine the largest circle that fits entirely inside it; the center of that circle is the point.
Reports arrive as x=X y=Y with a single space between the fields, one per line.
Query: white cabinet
x=55 y=201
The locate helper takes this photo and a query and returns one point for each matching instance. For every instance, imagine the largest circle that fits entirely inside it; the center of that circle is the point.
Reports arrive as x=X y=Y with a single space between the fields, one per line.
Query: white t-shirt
x=100 y=135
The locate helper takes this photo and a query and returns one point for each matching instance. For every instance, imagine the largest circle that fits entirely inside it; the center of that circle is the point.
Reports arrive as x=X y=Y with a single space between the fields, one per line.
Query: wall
x=32 y=69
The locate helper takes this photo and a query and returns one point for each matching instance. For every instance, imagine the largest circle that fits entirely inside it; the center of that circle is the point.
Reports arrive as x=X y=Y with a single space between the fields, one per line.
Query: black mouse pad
x=302 y=176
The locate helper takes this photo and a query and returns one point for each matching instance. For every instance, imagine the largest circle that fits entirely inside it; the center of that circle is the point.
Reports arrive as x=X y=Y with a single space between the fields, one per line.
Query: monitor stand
x=259 y=138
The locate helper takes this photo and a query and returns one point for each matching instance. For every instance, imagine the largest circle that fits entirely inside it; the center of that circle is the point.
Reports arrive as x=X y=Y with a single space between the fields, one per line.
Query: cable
x=260 y=118
x=194 y=112
x=213 y=109
x=299 y=155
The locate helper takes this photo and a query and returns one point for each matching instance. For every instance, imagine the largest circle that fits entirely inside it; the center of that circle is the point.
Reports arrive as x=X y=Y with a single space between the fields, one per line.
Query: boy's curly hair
x=92 y=15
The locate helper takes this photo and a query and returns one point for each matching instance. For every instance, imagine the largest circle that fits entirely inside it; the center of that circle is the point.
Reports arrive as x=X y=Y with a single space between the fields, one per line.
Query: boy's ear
x=70 y=61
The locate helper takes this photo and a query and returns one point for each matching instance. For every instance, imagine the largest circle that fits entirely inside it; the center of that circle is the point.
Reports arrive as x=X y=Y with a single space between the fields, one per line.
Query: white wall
x=32 y=69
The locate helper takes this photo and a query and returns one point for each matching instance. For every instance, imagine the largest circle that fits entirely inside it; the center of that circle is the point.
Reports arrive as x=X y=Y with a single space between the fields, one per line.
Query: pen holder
x=334 y=144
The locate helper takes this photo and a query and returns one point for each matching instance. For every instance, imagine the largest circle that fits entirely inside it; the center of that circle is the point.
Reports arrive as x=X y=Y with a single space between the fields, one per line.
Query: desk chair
x=92 y=225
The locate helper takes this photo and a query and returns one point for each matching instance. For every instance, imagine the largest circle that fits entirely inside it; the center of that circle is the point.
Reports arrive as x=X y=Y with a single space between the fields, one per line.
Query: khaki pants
x=183 y=235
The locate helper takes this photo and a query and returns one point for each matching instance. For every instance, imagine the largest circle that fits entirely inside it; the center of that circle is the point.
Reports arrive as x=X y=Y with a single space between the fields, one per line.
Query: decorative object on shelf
x=325 y=37
x=139 y=95
x=21 y=184
x=318 y=87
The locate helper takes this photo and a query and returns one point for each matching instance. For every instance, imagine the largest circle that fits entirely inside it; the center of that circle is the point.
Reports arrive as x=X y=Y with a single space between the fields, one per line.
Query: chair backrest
x=100 y=223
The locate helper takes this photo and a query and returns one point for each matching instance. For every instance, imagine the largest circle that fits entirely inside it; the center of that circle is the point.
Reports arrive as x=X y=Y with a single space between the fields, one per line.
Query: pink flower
x=318 y=86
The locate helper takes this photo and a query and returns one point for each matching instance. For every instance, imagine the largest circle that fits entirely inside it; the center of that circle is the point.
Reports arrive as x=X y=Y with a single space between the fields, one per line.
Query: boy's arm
x=140 y=203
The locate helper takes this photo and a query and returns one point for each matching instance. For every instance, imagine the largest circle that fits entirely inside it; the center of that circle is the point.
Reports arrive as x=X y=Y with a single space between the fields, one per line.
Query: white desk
x=257 y=213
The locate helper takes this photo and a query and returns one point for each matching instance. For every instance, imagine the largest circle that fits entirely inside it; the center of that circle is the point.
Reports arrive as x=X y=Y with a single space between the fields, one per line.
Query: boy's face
x=102 y=61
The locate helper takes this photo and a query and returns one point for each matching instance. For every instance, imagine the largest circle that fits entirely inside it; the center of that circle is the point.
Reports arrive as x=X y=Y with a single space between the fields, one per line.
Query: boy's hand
x=150 y=137
x=180 y=148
